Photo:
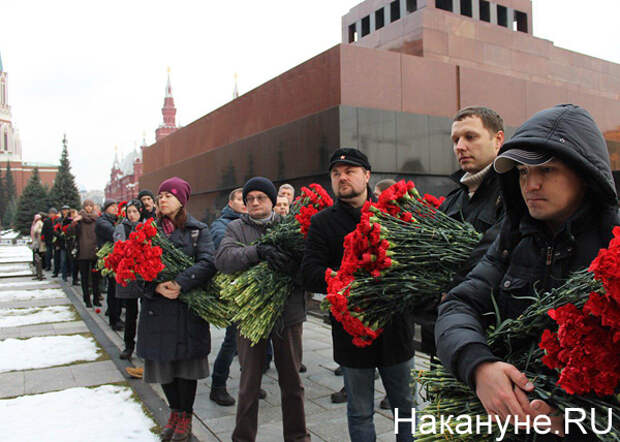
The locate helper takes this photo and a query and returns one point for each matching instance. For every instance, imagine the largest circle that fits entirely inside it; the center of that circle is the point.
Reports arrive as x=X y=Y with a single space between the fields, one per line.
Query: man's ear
x=499 y=140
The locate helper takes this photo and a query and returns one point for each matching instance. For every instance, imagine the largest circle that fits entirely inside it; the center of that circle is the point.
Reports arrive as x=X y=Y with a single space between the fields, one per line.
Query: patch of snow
x=27 y=295
x=17 y=317
x=9 y=234
x=14 y=268
x=22 y=252
x=46 y=351
x=25 y=283
x=106 y=413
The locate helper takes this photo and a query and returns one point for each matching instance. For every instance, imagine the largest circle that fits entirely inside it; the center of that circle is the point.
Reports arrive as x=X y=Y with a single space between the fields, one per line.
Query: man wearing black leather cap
x=392 y=353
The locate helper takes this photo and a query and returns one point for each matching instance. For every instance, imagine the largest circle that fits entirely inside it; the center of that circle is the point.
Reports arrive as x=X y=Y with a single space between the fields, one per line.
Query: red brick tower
x=169 y=113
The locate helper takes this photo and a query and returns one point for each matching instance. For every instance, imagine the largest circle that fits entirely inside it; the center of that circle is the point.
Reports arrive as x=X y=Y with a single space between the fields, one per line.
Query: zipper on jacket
x=549 y=256
x=548 y=262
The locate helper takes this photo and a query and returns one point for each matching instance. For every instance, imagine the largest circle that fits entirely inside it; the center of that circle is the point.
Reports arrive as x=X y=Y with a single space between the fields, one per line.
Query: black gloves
x=277 y=259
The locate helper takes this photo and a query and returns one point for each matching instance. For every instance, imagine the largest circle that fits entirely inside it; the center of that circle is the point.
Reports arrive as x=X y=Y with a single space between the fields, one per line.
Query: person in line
x=38 y=246
x=71 y=247
x=556 y=179
x=282 y=206
x=149 y=210
x=48 y=235
x=221 y=366
x=381 y=186
x=237 y=253
x=129 y=295
x=392 y=353
x=287 y=191
x=173 y=341
x=83 y=226
x=104 y=229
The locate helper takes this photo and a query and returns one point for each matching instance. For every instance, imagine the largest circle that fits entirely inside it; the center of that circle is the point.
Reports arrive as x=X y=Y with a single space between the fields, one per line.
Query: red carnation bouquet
x=258 y=295
x=402 y=255
x=149 y=256
x=567 y=342
x=585 y=349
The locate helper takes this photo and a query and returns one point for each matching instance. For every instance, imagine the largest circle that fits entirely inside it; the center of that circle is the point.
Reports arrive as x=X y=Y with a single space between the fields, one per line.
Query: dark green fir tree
x=64 y=191
x=10 y=197
x=32 y=200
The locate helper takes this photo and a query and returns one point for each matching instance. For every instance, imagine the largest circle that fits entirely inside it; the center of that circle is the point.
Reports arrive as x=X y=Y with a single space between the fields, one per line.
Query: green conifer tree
x=32 y=200
x=10 y=197
x=64 y=191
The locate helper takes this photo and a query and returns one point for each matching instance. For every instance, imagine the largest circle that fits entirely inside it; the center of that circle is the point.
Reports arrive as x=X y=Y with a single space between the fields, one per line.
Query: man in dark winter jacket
x=104 y=229
x=221 y=367
x=561 y=207
x=477 y=135
x=392 y=353
x=235 y=254
x=147 y=199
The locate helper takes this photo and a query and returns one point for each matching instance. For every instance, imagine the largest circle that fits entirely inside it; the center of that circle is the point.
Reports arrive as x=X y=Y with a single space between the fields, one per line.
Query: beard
x=348 y=193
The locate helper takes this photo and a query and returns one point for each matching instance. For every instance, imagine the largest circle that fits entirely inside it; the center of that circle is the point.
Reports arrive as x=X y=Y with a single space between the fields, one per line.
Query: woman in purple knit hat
x=173 y=341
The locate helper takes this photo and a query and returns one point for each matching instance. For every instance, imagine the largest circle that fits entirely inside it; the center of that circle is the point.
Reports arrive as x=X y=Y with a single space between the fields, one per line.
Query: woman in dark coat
x=173 y=341
x=133 y=290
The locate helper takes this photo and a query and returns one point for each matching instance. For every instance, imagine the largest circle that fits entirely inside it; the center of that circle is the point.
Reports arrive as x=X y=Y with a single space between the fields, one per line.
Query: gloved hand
x=277 y=259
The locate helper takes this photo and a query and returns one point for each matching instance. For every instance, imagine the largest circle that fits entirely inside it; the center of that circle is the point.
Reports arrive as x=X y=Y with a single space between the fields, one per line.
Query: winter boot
x=168 y=431
x=183 y=430
x=221 y=397
x=126 y=354
x=87 y=301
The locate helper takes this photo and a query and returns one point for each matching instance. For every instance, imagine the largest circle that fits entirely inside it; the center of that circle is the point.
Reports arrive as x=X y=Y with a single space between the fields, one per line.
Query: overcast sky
x=97 y=71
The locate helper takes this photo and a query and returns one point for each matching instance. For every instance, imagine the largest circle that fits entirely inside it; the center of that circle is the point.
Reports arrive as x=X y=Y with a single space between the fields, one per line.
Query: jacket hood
x=229 y=213
x=569 y=133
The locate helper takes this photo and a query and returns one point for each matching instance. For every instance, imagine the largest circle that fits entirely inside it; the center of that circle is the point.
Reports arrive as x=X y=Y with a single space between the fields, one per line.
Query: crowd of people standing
x=518 y=195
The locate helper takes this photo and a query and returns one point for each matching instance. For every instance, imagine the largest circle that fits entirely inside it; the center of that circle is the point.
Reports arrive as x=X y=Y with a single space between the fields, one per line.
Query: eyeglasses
x=259 y=199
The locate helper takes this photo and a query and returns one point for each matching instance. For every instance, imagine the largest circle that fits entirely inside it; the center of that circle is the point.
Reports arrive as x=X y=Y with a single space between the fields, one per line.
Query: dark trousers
x=221 y=366
x=47 y=261
x=287 y=356
x=114 y=304
x=57 y=263
x=181 y=394
x=86 y=274
x=65 y=268
x=72 y=267
x=131 y=319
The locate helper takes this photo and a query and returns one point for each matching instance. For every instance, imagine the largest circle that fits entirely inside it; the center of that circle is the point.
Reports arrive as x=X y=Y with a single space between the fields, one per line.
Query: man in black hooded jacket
x=561 y=206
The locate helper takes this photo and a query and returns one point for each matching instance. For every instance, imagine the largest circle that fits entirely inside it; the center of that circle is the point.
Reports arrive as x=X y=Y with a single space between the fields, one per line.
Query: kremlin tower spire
x=236 y=89
x=169 y=113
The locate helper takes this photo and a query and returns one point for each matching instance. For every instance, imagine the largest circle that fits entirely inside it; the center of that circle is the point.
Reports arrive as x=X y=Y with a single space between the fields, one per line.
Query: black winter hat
x=262 y=184
x=146 y=192
x=349 y=155
x=107 y=203
x=136 y=203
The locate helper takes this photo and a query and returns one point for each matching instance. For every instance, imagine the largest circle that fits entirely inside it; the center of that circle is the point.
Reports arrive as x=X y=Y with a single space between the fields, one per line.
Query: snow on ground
x=14 y=267
x=12 y=252
x=9 y=234
x=17 y=317
x=47 y=351
x=27 y=295
x=106 y=413
x=23 y=283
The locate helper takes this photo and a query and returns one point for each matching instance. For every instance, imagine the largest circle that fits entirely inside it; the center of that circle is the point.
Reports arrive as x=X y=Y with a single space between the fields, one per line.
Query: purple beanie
x=178 y=187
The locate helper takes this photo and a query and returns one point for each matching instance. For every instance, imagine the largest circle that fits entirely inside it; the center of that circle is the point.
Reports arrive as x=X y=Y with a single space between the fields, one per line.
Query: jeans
x=221 y=366
x=64 y=264
x=360 y=387
x=47 y=262
x=57 y=263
